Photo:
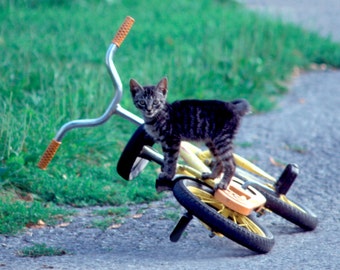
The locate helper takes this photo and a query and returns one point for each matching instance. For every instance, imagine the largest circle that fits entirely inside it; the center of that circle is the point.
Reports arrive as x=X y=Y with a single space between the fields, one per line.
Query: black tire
x=259 y=242
x=130 y=164
x=284 y=207
x=291 y=211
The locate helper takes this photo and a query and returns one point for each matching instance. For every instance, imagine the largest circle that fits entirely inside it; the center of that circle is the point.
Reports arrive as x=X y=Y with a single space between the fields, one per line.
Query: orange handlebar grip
x=123 y=31
x=49 y=154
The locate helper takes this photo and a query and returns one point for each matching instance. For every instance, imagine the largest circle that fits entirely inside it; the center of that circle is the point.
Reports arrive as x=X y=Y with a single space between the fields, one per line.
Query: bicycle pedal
x=180 y=227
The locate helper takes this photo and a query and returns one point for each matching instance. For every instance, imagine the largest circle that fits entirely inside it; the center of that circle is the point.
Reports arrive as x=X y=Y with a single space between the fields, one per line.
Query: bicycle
x=233 y=212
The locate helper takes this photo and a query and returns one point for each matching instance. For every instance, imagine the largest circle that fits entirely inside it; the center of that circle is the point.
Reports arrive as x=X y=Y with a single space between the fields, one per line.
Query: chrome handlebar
x=113 y=108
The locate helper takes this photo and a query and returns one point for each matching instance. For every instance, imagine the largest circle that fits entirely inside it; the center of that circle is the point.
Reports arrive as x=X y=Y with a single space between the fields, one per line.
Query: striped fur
x=211 y=121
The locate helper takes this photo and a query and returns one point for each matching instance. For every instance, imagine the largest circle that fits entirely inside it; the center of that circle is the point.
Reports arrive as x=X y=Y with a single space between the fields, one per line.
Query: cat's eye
x=141 y=102
x=155 y=102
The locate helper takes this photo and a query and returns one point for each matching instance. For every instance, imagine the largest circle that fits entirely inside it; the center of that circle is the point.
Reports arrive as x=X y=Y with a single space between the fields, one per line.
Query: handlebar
x=123 y=31
x=49 y=154
x=114 y=106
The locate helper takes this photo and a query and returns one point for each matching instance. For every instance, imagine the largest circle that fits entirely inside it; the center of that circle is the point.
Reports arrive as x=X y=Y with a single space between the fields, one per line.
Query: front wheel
x=198 y=199
x=130 y=164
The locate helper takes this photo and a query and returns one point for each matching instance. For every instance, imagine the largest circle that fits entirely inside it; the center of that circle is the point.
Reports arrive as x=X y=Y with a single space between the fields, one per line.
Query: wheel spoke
x=287 y=201
x=237 y=218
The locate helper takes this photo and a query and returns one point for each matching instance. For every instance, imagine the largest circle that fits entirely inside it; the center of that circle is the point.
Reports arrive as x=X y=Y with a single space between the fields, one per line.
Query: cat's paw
x=164 y=177
x=206 y=175
x=222 y=185
x=163 y=183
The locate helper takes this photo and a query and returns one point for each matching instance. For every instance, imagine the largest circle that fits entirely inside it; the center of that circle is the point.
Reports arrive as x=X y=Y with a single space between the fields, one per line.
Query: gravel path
x=304 y=129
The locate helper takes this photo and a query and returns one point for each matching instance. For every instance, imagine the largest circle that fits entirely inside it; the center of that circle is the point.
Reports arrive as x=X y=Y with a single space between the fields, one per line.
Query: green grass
x=104 y=223
x=16 y=212
x=115 y=212
x=53 y=71
x=171 y=215
x=112 y=215
x=39 y=250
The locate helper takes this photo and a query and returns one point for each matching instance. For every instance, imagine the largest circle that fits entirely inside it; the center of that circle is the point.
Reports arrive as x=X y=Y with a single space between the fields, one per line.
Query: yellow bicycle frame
x=235 y=197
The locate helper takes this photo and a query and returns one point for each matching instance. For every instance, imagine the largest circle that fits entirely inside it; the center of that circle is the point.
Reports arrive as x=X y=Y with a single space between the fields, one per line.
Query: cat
x=212 y=121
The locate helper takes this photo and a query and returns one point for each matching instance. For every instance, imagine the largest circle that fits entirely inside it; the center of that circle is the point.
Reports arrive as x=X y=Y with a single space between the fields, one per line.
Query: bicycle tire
x=219 y=223
x=130 y=164
x=291 y=211
x=284 y=207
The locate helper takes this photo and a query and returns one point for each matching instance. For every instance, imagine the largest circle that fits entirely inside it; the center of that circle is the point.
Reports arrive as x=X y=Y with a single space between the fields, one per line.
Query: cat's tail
x=242 y=106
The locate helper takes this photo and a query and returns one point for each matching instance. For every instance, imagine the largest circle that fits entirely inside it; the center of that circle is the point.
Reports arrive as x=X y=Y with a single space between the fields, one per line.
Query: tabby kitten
x=211 y=121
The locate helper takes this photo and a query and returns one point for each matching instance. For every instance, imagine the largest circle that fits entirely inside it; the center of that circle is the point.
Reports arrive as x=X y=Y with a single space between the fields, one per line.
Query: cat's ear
x=162 y=86
x=135 y=87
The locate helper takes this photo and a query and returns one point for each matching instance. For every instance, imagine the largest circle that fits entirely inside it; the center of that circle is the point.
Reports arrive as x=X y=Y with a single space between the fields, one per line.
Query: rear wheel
x=198 y=199
x=291 y=211
x=280 y=204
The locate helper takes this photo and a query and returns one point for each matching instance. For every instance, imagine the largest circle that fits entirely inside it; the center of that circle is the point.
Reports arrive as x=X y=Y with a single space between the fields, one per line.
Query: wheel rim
x=237 y=218
x=289 y=202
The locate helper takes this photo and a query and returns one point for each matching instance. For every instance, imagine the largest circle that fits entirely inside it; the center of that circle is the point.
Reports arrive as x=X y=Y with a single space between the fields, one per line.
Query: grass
x=171 y=215
x=39 y=250
x=104 y=223
x=115 y=212
x=112 y=215
x=52 y=71
x=17 y=212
